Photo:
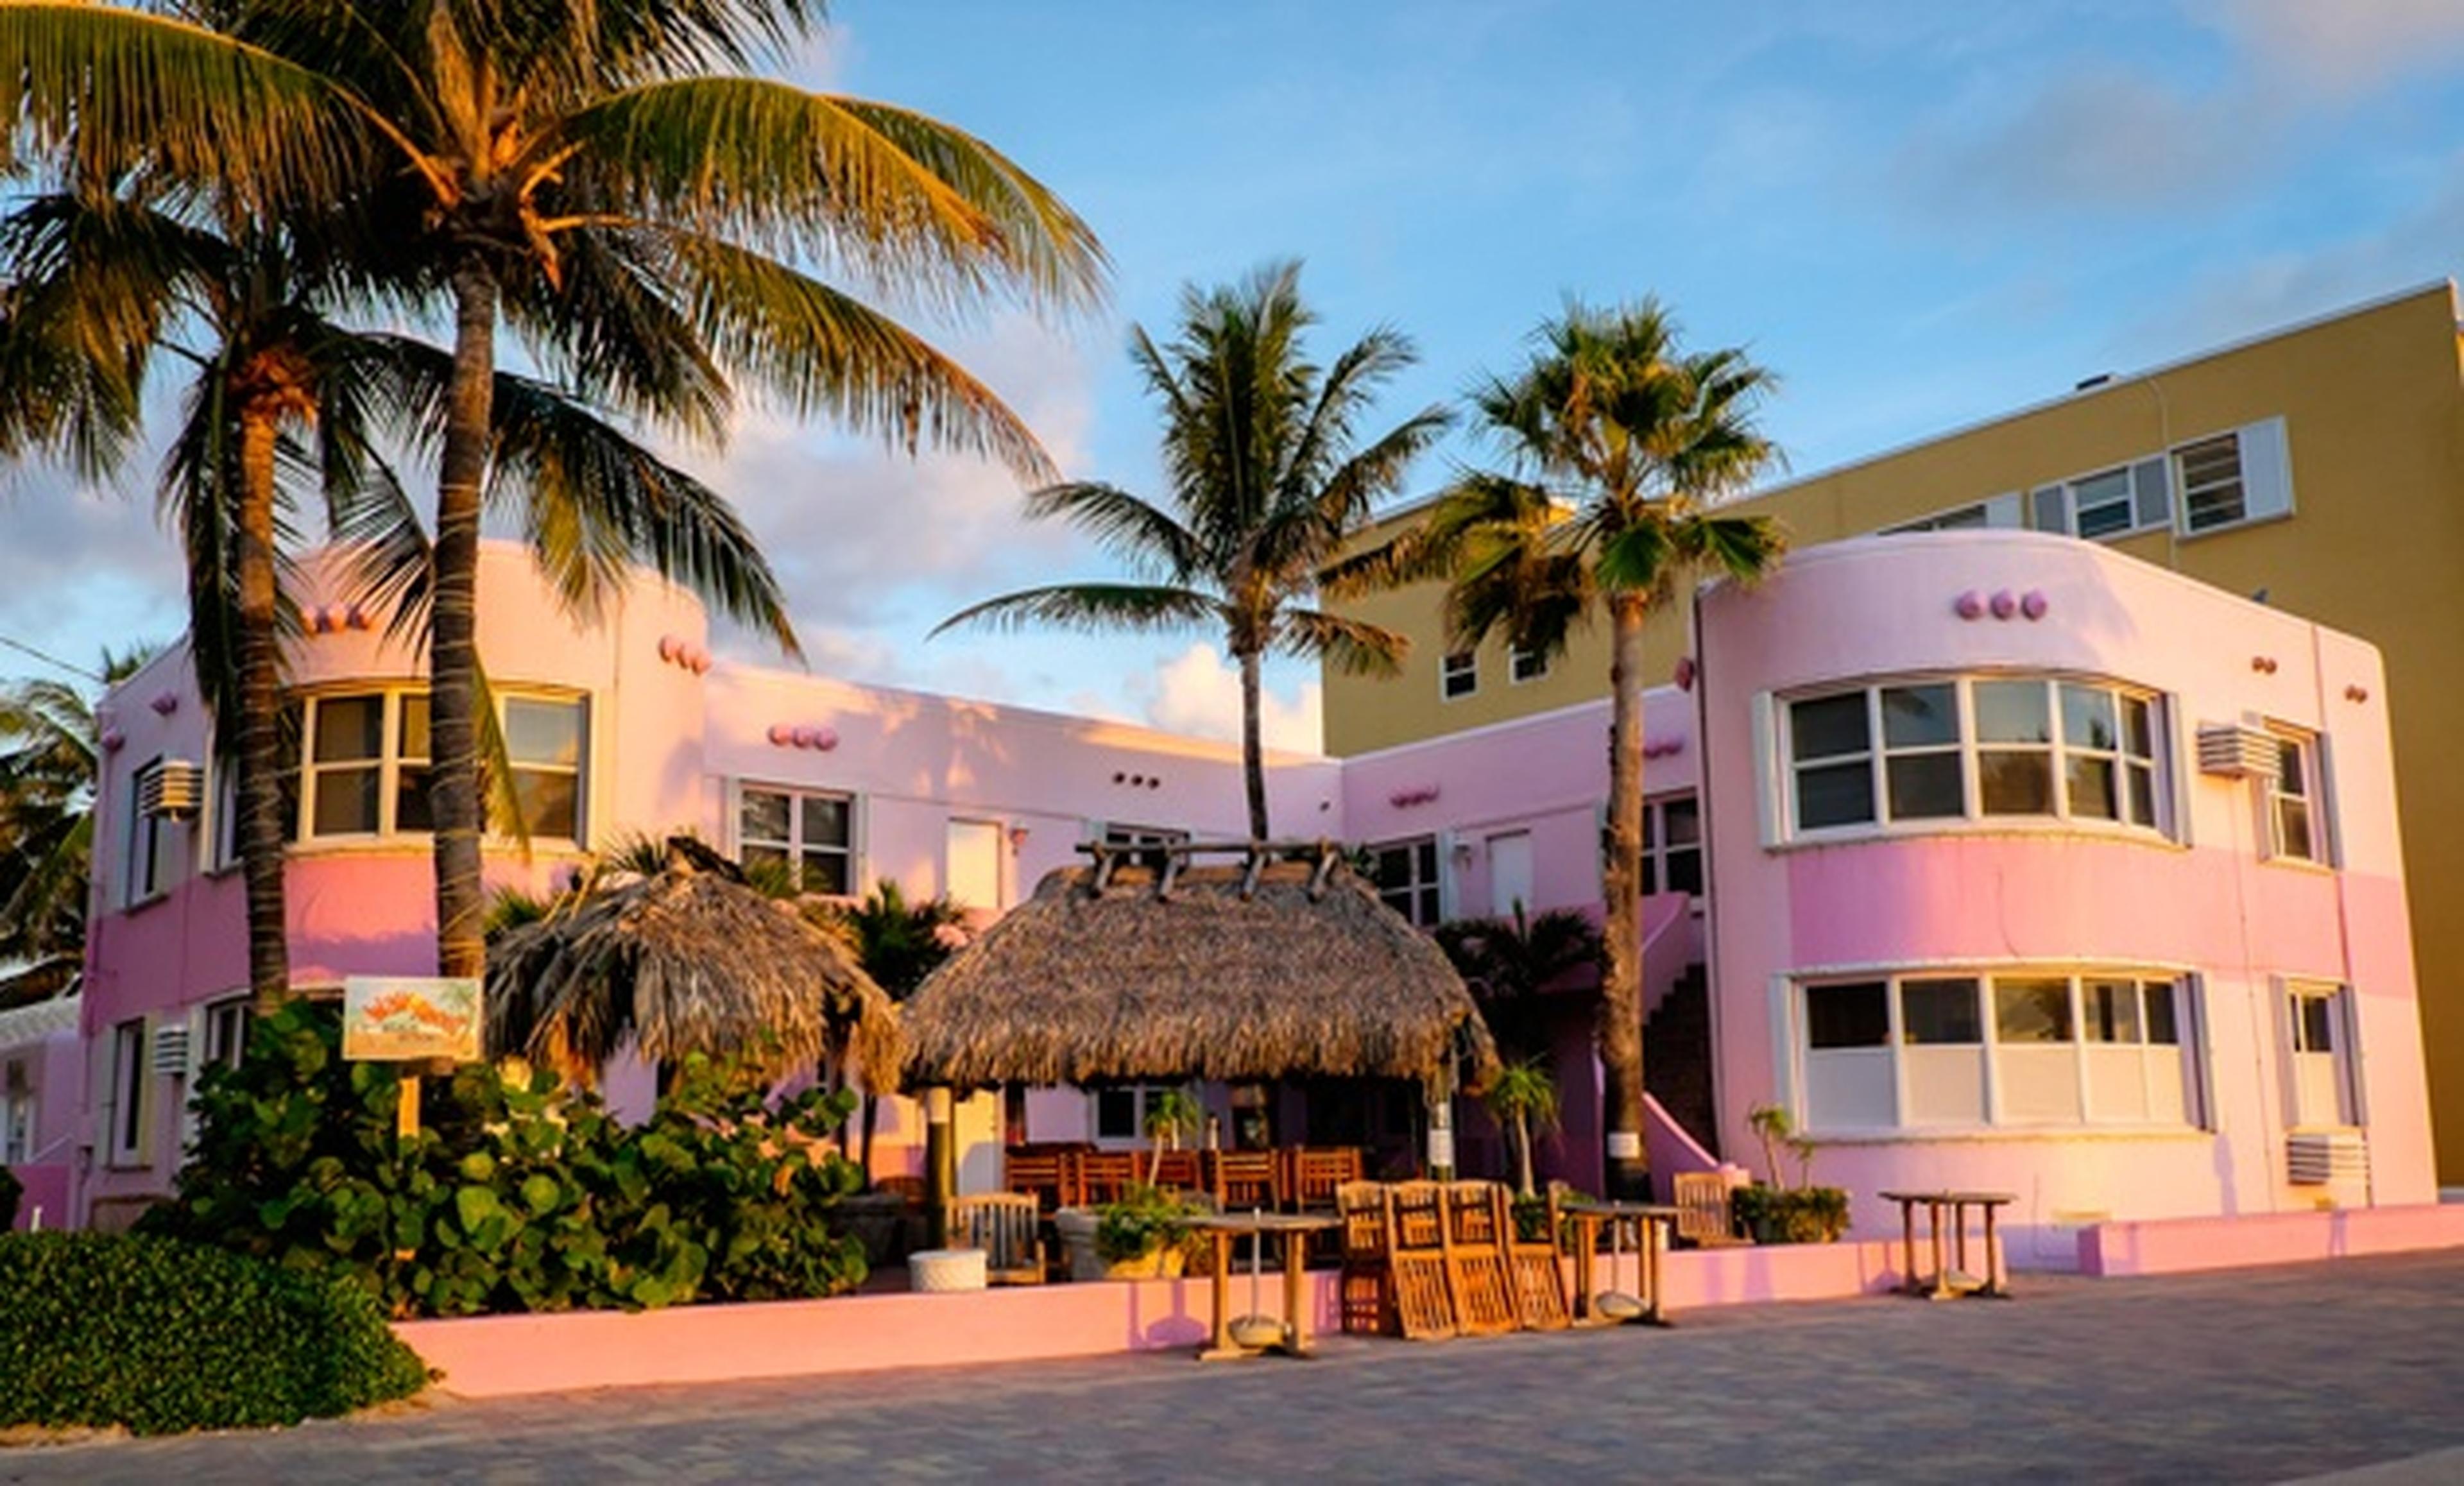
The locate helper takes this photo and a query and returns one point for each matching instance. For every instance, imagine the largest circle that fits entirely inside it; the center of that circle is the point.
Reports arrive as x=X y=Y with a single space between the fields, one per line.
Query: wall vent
x=170 y=1050
x=2315 y=1158
x=2234 y=751
x=172 y=788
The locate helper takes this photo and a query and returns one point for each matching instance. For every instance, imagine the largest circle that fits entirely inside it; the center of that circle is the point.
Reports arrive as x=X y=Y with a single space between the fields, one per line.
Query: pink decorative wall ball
x=2035 y=604
x=1969 y=604
x=2005 y=604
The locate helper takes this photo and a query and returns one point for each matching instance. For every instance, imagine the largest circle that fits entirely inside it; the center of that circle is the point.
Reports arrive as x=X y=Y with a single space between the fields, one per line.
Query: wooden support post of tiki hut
x=941 y=1162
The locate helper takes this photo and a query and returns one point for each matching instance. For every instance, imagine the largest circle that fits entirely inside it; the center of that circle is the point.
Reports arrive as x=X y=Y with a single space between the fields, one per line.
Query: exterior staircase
x=1676 y=1056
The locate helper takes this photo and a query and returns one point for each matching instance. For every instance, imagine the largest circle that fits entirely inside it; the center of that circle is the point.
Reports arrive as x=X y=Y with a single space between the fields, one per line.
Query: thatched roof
x=685 y=960
x=1241 y=972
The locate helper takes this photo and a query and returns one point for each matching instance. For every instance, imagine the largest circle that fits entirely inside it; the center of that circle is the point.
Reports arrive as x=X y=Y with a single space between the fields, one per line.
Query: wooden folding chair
x=1702 y=1213
x=1006 y=1227
x=1416 y=1255
x=1245 y=1179
x=1540 y=1300
x=1366 y=1290
x=1473 y=1235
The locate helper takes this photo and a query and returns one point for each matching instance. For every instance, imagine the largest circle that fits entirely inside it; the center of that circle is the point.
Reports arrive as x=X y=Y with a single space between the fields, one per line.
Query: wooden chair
x=1245 y=1179
x=1007 y=1226
x=1703 y=1213
x=1415 y=1256
x=1473 y=1234
x=1316 y=1175
x=1107 y=1176
x=1539 y=1279
x=1050 y=1177
x=1181 y=1171
x=1366 y=1290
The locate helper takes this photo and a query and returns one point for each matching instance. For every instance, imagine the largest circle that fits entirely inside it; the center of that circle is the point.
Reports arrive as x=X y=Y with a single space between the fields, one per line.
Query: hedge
x=163 y=1336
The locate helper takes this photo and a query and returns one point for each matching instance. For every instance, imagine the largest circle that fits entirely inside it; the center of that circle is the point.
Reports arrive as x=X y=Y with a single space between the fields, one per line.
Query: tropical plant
x=898 y=943
x=1619 y=443
x=1265 y=481
x=1145 y=1220
x=1781 y=1210
x=51 y=753
x=1172 y=1114
x=1507 y=962
x=1522 y=1096
x=572 y=175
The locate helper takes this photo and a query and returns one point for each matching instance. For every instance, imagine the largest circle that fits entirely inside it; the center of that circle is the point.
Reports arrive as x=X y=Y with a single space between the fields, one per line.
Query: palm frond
x=1353 y=646
x=1091 y=608
x=1133 y=530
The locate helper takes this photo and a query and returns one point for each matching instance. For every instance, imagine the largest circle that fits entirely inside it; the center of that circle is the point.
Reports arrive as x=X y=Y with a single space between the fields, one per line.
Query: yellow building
x=2320 y=467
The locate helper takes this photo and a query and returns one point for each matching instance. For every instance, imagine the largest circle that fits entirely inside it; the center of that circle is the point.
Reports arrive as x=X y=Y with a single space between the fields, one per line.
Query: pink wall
x=2031 y=894
x=2188 y=1244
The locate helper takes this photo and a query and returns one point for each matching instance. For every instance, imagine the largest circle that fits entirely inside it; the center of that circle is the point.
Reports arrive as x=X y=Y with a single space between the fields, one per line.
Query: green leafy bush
x=11 y=1192
x=1799 y=1214
x=1144 y=1220
x=160 y=1336
x=515 y=1196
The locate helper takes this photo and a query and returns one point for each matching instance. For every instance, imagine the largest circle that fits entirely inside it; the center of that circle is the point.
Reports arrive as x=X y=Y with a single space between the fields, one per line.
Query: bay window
x=1972 y=749
x=359 y=765
x=2024 y=1049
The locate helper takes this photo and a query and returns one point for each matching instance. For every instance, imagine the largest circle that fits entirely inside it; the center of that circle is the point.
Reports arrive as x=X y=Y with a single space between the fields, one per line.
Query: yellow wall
x=2373 y=404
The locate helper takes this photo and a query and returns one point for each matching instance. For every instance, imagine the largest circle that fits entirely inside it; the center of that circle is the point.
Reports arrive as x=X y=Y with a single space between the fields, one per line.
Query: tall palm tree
x=284 y=403
x=1619 y=443
x=567 y=172
x=899 y=943
x=51 y=756
x=1265 y=483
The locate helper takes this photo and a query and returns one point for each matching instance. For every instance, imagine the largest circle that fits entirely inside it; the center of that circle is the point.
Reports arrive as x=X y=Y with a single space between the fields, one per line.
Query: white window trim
x=1142 y=1095
x=130 y=1084
x=1516 y=660
x=2265 y=473
x=1441 y=847
x=145 y=841
x=1973 y=817
x=858 y=884
x=390 y=759
x=1791 y=1031
x=2321 y=857
x=1656 y=849
x=1446 y=672
x=2289 y=992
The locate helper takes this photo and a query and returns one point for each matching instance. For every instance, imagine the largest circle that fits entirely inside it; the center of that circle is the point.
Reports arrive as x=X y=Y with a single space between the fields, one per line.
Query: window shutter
x=1771 y=805
x=2048 y=509
x=2003 y=511
x=2151 y=493
x=2266 y=470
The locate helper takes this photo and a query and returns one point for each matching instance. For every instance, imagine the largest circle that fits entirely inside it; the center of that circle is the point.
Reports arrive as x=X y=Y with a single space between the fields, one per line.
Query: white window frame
x=1658 y=849
x=224 y=1026
x=126 y=1142
x=391 y=760
x=1462 y=665
x=2058 y=749
x=2312 y=796
x=2188 y=1047
x=1420 y=889
x=2262 y=478
x=794 y=847
x=2341 y=1064
x=1524 y=667
x=1142 y=1099
x=151 y=854
x=999 y=836
x=2239 y=482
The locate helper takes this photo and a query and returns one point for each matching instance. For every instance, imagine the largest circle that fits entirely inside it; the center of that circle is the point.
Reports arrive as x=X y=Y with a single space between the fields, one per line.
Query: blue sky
x=1919 y=214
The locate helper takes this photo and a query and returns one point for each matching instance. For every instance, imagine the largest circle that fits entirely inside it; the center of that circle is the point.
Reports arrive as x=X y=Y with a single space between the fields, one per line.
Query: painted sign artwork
x=403 y=1018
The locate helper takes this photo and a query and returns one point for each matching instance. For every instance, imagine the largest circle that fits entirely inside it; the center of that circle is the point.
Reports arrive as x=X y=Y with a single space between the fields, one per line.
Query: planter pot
x=878 y=1221
x=1077 y=1226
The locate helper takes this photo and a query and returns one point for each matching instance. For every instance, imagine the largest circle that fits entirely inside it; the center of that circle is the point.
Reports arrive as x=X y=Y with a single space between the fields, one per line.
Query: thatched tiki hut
x=688 y=959
x=1265 y=969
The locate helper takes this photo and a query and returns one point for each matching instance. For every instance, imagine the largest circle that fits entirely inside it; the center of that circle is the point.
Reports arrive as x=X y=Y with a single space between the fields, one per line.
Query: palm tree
x=1522 y=1095
x=50 y=755
x=571 y=176
x=282 y=398
x=1619 y=443
x=1265 y=485
x=899 y=943
x=1507 y=962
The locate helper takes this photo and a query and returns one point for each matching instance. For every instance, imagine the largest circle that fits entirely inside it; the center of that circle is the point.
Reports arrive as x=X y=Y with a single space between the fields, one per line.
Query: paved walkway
x=2257 y=1376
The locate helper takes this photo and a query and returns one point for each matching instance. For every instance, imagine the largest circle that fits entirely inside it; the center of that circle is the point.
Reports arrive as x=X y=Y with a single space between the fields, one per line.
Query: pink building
x=1971 y=849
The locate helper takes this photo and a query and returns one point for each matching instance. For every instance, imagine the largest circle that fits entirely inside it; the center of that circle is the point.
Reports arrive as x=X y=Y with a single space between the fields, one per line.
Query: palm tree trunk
x=256 y=752
x=457 y=804
x=872 y=1115
x=1620 y=1029
x=1253 y=750
x=1522 y=1152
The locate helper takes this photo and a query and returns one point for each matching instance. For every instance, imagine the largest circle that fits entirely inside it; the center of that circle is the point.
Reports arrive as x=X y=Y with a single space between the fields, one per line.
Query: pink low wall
x=47 y=1187
x=495 y=1356
x=2175 y=1246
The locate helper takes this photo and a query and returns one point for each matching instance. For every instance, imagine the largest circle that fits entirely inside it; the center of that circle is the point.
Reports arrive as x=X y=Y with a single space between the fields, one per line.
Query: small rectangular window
x=1940 y=1012
x=1459 y=675
x=1854 y=1014
x=128 y=1093
x=1522 y=665
x=2101 y=504
x=226 y=1032
x=544 y=742
x=1406 y=874
x=2292 y=818
x=1116 y=1113
x=2111 y=1010
x=1830 y=739
x=973 y=875
x=2032 y=1010
x=808 y=835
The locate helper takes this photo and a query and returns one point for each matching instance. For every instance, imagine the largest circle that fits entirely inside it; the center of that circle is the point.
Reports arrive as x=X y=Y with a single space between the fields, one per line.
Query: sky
x=1917 y=215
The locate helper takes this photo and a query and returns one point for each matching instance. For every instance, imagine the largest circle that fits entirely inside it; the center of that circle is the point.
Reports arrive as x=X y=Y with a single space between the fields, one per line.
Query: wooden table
x=1946 y=1283
x=1295 y=1228
x=1653 y=1222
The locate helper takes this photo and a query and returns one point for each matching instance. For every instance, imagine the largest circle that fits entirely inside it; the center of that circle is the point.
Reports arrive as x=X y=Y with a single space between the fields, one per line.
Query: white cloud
x=2341 y=47
x=1199 y=692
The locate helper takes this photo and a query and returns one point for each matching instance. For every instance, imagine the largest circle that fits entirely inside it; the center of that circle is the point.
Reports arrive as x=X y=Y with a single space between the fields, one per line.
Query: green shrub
x=514 y=1197
x=1145 y=1219
x=162 y=1336
x=11 y=1192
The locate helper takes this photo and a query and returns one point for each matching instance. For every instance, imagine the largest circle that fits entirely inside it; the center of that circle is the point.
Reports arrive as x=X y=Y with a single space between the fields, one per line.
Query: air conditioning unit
x=2316 y=1158
x=172 y=788
x=2233 y=750
x=171 y=1052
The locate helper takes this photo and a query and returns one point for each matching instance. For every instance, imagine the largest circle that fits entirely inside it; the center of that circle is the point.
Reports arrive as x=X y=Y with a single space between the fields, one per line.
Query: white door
x=972 y=874
x=1509 y=873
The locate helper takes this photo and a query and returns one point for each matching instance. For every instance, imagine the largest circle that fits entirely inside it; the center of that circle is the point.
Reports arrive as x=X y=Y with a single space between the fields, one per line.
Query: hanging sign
x=408 y=1019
